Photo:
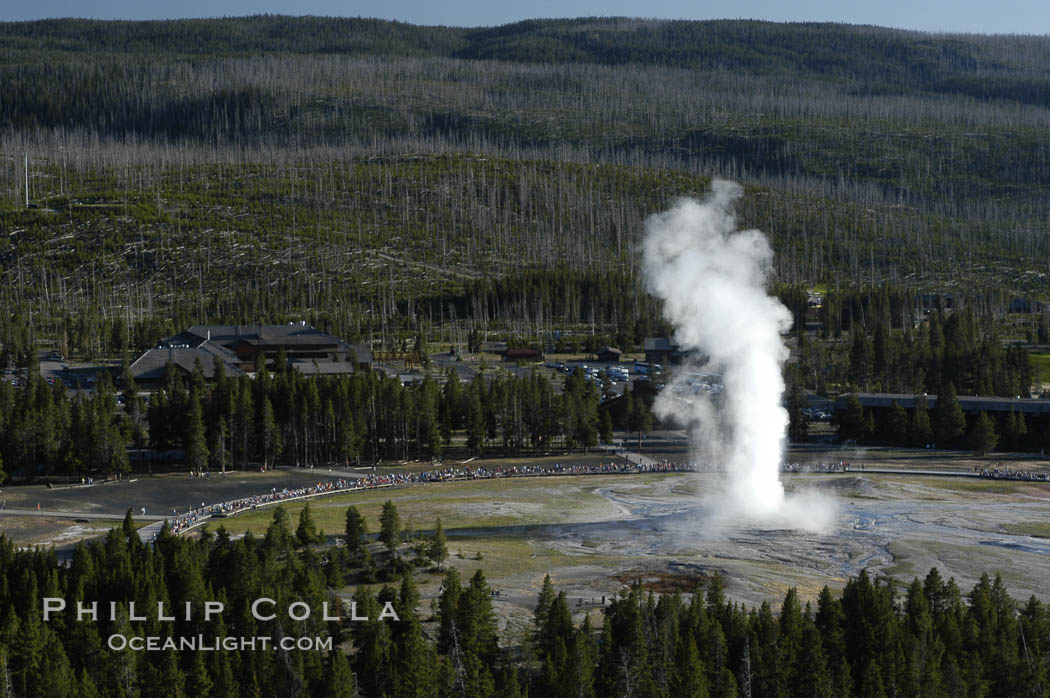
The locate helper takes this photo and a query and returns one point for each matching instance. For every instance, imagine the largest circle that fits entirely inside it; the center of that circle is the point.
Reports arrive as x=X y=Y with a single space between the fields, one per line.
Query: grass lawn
x=982 y=486
x=461 y=505
x=1040 y=367
x=1039 y=529
x=503 y=556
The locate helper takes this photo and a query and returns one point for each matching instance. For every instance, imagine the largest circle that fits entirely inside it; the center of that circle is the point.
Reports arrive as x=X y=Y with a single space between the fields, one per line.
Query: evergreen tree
x=921 y=431
x=448 y=603
x=356 y=529
x=390 y=526
x=812 y=677
x=437 y=551
x=897 y=431
x=640 y=419
x=577 y=675
x=606 y=428
x=219 y=452
x=306 y=532
x=267 y=434
x=860 y=359
x=339 y=680
x=688 y=679
x=982 y=437
x=475 y=419
x=798 y=422
x=949 y=422
x=851 y=421
x=198 y=682
x=1015 y=430
x=194 y=443
x=279 y=533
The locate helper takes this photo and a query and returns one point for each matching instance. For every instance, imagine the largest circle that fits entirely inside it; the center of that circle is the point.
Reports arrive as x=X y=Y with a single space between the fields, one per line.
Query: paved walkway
x=629 y=456
x=77 y=514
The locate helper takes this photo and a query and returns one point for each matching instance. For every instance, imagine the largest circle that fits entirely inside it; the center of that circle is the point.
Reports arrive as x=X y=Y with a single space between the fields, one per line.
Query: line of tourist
x=197 y=515
x=998 y=473
x=836 y=467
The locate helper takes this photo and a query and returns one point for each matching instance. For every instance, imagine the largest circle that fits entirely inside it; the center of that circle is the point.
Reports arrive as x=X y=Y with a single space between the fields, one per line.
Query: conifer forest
x=418 y=189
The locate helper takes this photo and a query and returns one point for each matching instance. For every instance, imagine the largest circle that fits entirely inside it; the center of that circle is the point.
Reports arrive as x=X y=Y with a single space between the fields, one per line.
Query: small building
x=661 y=350
x=523 y=354
x=494 y=348
x=609 y=354
x=150 y=369
x=298 y=341
x=305 y=348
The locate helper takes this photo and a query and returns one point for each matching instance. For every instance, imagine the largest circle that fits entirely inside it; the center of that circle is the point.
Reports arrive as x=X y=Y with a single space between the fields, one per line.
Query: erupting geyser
x=712 y=279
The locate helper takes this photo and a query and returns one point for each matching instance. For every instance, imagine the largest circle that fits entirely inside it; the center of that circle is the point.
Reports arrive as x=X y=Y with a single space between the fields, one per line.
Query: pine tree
x=390 y=526
x=448 y=604
x=688 y=679
x=198 y=682
x=416 y=662
x=543 y=606
x=218 y=450
x=437 y=551
x=339 y=680
x=798 y=423
x=851 y=420
x=1015 y=430
x=355 y=531
x=606 y=429
x=843 y=680
x=267 y=434
x=982 y=437
x=640 y=419
x=871 y=684
x=279 y=532
x=373 y=661
x=949 y=423
x=829 y=621
x=812 y=677
x=921 y=432
x=306 y=532
x=475 y=420
x=860 y=359
x=577 y=675
x=789 y=639
x=194 y=443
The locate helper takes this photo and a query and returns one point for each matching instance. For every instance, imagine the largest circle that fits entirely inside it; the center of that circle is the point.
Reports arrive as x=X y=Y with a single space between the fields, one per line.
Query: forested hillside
x=870 y=640
x=377 y=175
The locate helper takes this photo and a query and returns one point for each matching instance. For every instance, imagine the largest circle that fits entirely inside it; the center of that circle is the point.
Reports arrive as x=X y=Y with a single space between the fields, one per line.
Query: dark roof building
x=297 y=340
x=608 y=354
x=151 y=367
x=494 y=347
x=661 y=350
x=306 y=349
x=523 y=354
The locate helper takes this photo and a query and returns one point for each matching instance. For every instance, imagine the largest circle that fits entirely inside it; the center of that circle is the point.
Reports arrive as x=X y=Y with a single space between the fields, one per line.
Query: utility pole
x=27 y=180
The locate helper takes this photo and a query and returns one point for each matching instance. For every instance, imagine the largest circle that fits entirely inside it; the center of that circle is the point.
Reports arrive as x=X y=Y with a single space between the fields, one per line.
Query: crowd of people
x=195 y=516
x=198 y=515
x=998 y=473
x=836 y=467
x=481 y=472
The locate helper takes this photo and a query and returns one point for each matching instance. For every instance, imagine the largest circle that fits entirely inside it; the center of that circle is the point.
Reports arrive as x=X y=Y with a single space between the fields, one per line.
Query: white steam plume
x=713 y=283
